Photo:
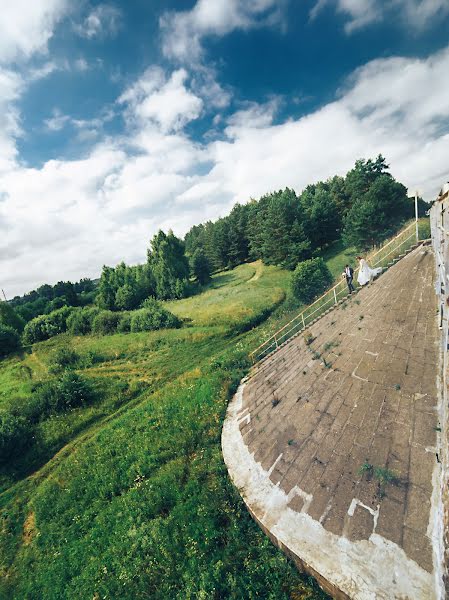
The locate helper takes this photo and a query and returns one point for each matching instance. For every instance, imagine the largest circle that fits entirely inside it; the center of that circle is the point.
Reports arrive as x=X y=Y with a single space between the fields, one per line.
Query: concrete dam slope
x=333 y=441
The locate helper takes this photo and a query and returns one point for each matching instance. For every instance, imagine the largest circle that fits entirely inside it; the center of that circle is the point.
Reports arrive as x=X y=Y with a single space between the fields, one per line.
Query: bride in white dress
x=366 y=273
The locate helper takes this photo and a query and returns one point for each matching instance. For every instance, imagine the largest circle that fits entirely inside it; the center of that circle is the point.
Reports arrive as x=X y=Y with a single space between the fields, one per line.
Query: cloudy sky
x=120 y=118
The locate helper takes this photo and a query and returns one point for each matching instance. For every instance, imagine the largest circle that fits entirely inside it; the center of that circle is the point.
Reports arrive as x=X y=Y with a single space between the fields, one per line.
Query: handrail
x=281 y=333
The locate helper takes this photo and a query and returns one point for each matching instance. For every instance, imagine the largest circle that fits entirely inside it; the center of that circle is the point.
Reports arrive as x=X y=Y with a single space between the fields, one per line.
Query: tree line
x=281 y=228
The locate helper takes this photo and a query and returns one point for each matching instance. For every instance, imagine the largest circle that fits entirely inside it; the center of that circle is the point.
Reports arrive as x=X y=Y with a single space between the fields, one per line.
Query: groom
x=349 y=276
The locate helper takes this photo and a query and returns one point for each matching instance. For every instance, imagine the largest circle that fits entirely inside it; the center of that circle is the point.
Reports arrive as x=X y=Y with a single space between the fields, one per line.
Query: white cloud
x=166 y=103
x=11 y=86
x=417 y=14
x=26 y=27
x=102 y=21
x=183 y=31
x=154 y=176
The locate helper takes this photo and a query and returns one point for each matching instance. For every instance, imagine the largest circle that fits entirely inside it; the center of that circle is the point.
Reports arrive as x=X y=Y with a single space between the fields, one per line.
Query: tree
x=363 y=175
x=106 y=289
x=9 y=317
x=322 y=218
x=200 y=266
x=128 y=296
x=9 y=340
x=310 y=279
x=169 y=265
x=376 y=214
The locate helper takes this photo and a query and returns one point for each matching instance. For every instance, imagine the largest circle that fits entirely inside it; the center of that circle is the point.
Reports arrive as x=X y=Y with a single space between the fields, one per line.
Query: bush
x=69 y=391
x=9 y=340
x=310 y=279
x=81 y=319
x=46 y=326
x=15 y=434
x=153 y=317
x=63 y=358
x=124 y=325
x=9 y=317
x=105 y=323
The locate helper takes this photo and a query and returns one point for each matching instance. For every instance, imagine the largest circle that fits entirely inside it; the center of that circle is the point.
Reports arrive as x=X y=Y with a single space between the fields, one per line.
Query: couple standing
x=366 y=273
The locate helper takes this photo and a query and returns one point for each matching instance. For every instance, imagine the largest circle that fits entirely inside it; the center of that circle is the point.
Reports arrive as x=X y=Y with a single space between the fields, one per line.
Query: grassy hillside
x=129 y=497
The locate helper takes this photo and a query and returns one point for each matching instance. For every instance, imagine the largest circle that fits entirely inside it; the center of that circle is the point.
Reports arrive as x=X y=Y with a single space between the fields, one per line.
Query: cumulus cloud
x=167 y=103
x=102 y=21
x=104 y=207
x=360 y=13
x=183 y=32
x=26 y=27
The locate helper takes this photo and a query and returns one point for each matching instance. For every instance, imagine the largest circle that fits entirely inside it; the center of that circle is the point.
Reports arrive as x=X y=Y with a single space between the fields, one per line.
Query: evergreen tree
x=376 y=214
x=200 y=266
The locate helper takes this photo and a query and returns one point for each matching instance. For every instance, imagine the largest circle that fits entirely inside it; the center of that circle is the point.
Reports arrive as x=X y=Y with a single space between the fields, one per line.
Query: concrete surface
x=361 y=392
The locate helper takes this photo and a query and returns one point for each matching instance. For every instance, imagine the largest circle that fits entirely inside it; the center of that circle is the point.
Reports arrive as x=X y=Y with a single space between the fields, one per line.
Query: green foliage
x=124 y=324
x=63 y=358
x=310 y=279
x=81 y=319
x=10 y=318
x=9 y=340
x=14 y=434
x=377 y=213
x=153 y=317
x=105 y=322
x=48 y=298
x=168 y=265
x=200 y=266
x=68 y=391
x=46 y=326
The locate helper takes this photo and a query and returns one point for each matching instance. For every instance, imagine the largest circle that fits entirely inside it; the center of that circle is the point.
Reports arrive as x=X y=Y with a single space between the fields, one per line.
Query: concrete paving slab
x=337 y=458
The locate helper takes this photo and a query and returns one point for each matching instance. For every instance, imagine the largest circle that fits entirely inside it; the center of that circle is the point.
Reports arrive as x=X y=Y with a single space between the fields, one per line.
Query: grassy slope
x=137 y=503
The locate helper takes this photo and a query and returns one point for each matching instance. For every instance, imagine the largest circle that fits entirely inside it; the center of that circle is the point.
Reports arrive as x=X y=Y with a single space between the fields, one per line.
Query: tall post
x=416 y=215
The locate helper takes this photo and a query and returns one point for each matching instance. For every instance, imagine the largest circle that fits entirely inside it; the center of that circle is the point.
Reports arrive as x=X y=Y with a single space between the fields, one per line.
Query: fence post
x=303 y=322
x=335 y=296
x=416 y=216
x=276 y=341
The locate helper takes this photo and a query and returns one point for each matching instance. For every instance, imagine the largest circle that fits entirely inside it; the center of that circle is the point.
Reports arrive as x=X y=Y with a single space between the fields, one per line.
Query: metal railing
x=379 y=258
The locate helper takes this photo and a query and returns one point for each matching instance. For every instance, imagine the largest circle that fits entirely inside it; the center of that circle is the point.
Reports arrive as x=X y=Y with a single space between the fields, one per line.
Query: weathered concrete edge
x=343 y=568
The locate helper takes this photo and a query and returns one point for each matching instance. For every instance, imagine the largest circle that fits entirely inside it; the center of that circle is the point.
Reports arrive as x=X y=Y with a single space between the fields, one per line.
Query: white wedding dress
x=366 y=273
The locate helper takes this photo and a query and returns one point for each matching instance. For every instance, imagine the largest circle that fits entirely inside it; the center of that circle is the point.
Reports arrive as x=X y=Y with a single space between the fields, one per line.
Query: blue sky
x=118 y=118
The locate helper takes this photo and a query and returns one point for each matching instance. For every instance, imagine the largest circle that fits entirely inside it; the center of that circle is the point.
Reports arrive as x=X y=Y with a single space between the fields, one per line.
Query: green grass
x=129 y=497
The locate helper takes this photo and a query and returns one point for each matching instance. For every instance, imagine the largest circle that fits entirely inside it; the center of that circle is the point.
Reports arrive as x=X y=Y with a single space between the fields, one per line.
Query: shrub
x=9 y=317
x=124 y=325
x=310 y=279
x=69 y=391
x=105 y=323
x=9 y=340
x=152 y=317
x=15 y=434
x=63 y=358
x=81 y=319
x=46 y=326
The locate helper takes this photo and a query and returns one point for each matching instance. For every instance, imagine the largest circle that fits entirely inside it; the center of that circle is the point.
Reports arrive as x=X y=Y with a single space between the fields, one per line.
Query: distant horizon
x=120 y=120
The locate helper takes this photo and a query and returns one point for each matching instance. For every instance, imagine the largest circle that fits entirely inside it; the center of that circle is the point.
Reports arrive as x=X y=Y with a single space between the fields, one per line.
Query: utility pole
x=4 y=295
x=416 y=215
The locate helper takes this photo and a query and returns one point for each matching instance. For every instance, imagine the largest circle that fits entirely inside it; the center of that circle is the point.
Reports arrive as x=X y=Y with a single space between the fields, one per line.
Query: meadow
x=127 y=496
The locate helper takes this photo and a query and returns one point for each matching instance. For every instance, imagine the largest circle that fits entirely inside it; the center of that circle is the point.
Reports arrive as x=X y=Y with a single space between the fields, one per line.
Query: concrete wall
x=439 y=219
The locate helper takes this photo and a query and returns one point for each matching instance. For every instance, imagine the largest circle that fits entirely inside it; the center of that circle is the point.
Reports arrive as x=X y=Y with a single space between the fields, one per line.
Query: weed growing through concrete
x=308 y=339
x=383 y=476
x=397 y=387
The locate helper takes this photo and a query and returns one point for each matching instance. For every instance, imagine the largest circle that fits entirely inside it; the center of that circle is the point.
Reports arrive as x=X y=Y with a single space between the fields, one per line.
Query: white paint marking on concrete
x=371 y=353
x=352 y=567
x=273 y=466
x=246 y=418
x=296 y=491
